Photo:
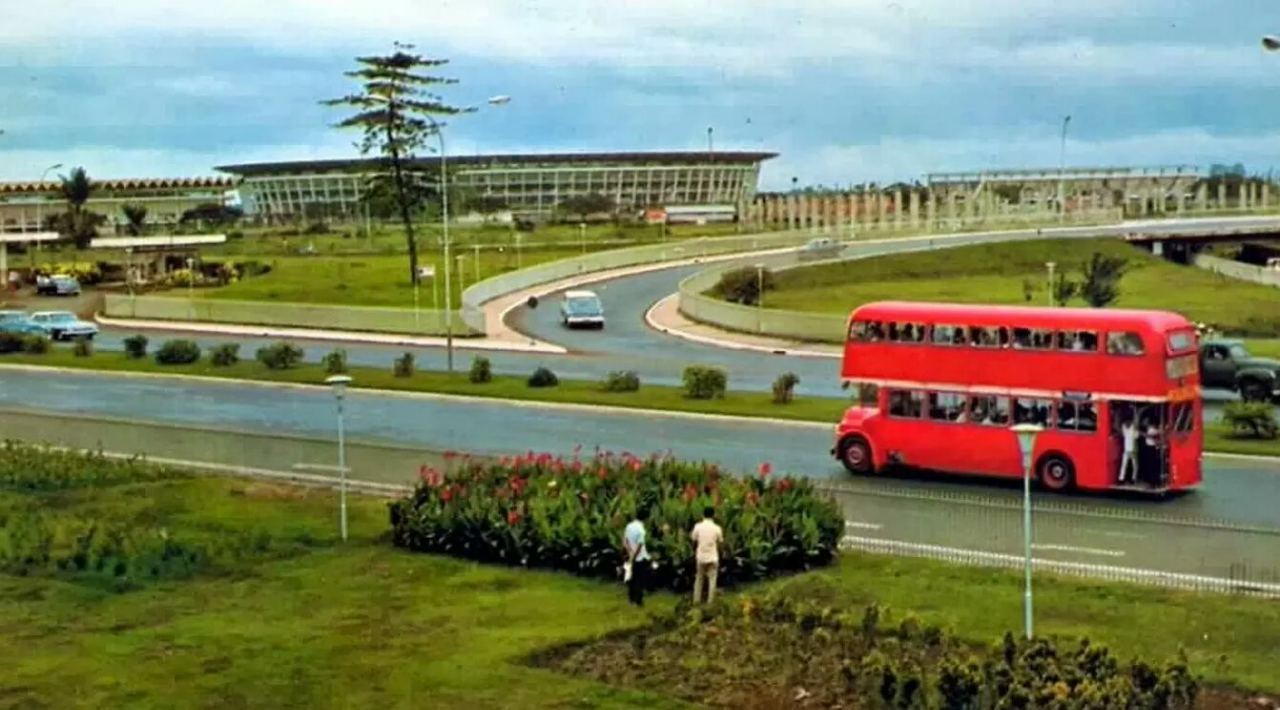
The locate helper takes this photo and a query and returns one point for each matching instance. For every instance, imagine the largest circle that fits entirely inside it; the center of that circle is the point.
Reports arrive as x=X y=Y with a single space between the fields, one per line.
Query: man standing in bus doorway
x=1129 y=440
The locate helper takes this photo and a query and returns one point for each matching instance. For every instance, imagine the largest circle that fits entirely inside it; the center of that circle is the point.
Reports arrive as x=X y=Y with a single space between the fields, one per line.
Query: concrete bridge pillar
x=951 y=211
x=1266 y=194
x=882 y=208
x=898 y=209
x=1242 y=200
x=915 y=209
x=1202 y=197
x=791 y=207
x=1222 y=195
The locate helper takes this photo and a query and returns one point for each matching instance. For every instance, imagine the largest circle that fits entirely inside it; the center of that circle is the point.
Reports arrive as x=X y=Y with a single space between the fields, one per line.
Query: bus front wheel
x=855 y=454
x=1056 y=472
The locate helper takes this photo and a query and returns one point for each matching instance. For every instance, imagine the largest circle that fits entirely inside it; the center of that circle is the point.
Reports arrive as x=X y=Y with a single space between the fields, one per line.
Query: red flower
x=577 y=466
x=765 y=470
x=690 y=492
x=635 y=465
x=450 y=455
x=513 y=517
x=447 y=494
x=602 y=473
x=784 y=485
x=752 y=499
x=430 y=476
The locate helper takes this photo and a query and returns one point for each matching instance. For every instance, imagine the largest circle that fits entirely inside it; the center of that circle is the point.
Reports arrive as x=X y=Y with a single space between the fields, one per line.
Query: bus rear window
x=1181 y=341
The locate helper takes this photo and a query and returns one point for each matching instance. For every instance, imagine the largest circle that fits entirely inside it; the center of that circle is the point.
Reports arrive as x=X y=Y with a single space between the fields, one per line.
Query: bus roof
x=1031 y=317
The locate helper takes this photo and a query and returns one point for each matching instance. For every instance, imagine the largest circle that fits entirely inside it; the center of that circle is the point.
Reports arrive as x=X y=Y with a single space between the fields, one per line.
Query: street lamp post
x=1026 y=444
x=339 y=384
x=760 y=298
x=582 y=236
x=477 y=263
x=191 y=278
x=1053 y=297
x=1062 y=172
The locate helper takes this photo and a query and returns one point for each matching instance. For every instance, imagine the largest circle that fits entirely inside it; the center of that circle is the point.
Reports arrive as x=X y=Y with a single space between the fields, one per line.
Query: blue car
x=60 y=285
x=18 y=323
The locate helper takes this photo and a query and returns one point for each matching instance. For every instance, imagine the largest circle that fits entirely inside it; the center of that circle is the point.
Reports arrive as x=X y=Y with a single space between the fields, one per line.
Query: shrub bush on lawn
x=11 y=343
x=83 y=347
x=702 y=382
x=178 y=352
x=784 y=388
x=403 y=366
x=225 y=355
x=335 y=363
x=1251 y=420
x=624 y=381
x=280 y=356
x=25 y=467
x=540 y=511
x=742 y=285
x=542 y=377
x=135 y=346
x=481 y=371
x=36 y=344
x=842 y=658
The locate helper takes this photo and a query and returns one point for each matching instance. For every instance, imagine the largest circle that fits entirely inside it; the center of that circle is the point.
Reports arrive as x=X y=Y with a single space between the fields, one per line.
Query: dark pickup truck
x=1227 y=364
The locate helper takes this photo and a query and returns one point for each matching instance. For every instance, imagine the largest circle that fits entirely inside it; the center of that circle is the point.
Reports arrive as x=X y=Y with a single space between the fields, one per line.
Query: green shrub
x=135 y=346
x=742 y=285
x=542 y=377
x=27 y=467
x=36 y=344
x=335 y=363
x=622 y=381
x=481 y=370
x=701 y=382
x=178 y=352
x=225 y=355
x=403 y=366
x=541 y=511
x=280 y=356
x=1251 y=420
x=784 y=387
x=83 y=347
x=11 y=343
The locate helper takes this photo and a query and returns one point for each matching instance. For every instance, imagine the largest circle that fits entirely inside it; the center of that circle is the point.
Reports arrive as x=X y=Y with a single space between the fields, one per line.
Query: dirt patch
x=269 y=491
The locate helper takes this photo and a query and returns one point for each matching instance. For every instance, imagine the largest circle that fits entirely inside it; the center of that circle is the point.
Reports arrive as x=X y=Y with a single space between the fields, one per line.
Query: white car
x=581 y=309
x=62 y=325
x=820 y=248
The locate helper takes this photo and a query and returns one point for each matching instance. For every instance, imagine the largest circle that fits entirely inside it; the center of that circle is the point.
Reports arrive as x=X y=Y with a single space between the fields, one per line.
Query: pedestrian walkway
x=665 y=317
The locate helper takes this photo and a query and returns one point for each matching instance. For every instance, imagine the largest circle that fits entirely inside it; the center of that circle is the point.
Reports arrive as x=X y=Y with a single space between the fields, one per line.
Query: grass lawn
x=363 y=624
x=997 y=273
x=655 y=397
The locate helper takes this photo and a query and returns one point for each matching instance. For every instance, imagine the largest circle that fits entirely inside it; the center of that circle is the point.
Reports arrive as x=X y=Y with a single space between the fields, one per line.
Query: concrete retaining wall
x=1238 y=270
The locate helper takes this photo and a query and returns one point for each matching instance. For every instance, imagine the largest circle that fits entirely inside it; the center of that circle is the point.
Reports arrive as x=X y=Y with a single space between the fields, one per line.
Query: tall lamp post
x=339 y=384
x=1027 y=445
x=1053 y=297
x=1062 y=172
x=444 y=219
x=759 y=298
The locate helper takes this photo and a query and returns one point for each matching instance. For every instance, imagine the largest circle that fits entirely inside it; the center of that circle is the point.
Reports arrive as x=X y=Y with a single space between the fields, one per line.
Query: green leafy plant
x=1251 y=420
x=11 y=343
x=541 y=511
x=178 y=352
x=83 y=347
x=225 y=354
x=622 y=381
x=701 y=382
x=481 y=371
x=36 y=344
x=784 y=387
x=1100 y=284
x=282 y=355
x=135 y=346
x=403 y=366
x=335 y=362
x=543 y=377
x=743 y=285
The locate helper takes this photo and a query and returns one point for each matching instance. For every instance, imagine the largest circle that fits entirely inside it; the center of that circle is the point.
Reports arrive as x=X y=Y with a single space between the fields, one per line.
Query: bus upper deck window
x=1078 y=341
x=949 y=335
x=1124 y=343
x=1032 y=339
x=866 y=331
x=982 y=337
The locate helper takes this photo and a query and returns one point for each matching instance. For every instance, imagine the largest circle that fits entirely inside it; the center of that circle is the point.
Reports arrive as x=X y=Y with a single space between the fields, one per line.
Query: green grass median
x=296 y=618
x=827 y=410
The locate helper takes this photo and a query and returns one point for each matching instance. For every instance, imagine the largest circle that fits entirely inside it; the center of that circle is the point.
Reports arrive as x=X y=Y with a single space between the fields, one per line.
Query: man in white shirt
x=707 y=538
x=636 y=563
x=1129 y=442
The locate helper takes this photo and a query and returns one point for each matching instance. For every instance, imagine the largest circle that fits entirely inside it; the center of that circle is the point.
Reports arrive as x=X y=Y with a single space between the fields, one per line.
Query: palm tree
x=137 y=216
x=76 y=189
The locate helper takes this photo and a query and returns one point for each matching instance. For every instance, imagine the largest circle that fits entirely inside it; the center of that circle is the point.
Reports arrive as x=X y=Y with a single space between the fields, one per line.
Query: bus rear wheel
x=1056 y=473
x=855 y=454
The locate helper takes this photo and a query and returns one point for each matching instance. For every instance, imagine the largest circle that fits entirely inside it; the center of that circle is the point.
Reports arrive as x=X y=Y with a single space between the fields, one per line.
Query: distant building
x=1139 y=189
x=25 y=206
x=529 y=185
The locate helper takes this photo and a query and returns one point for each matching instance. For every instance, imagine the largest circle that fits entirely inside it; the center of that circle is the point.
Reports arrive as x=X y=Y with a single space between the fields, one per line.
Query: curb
x=653 y=323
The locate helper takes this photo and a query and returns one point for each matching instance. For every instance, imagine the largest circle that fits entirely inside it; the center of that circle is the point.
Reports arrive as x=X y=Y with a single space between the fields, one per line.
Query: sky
x=845 y=91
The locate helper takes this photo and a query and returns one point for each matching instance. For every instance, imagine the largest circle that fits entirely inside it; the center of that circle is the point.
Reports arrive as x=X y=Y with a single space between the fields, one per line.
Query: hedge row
x=540 y=511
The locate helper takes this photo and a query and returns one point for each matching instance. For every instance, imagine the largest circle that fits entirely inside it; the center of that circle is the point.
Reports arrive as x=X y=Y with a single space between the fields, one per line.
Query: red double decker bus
x=1117 y=393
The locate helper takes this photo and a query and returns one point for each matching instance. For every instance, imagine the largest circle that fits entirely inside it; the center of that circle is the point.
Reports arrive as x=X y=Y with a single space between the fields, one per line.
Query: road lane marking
x=861 y=525
x=1116 y=533
x=1072 y=548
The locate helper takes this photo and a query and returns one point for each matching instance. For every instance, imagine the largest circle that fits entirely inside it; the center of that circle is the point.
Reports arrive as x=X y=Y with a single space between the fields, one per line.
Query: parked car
x=820 y=248
x=59 y=285
x=17 y=323
x=581 y=308
x=62 y=325
x=1227 y=364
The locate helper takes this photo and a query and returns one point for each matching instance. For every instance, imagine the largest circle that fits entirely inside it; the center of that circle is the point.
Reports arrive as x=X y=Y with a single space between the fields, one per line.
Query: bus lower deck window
x=905 y=404
x=1031 y=411
x=946 y=406
x=1077 y=416
x=989 y=410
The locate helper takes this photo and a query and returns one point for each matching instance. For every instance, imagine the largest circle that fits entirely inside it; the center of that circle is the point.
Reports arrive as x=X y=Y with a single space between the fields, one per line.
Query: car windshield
x=584 y=306
x=1239 y=352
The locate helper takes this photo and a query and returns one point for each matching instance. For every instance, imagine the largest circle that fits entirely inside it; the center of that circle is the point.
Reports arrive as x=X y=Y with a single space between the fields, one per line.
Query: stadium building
x=27 y=206
x=530 y=185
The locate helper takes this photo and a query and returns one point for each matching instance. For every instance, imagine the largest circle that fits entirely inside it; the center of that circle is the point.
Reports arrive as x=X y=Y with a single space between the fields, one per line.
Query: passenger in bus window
x=999 y=411
x=1087 y=417
x=1021 y=339
x=1042 y=339
x=1004 y=337
x=894 y=335
x=875 y=331
x=957 y=336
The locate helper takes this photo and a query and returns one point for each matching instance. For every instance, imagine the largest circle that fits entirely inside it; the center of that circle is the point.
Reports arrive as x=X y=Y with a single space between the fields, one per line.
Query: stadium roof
x=36 y=186
x=298 y=166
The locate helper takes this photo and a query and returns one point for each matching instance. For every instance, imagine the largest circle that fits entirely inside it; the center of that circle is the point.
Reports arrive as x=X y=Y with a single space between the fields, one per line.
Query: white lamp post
x=1062 y=172
x=760 y=298
x=1053 y=299
x=1027 y=445
x=582 y=236
x=191 y=278
x=339 y=384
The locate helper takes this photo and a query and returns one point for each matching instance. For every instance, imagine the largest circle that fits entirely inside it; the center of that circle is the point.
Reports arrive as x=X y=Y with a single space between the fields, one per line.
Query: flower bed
x=541 y=511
